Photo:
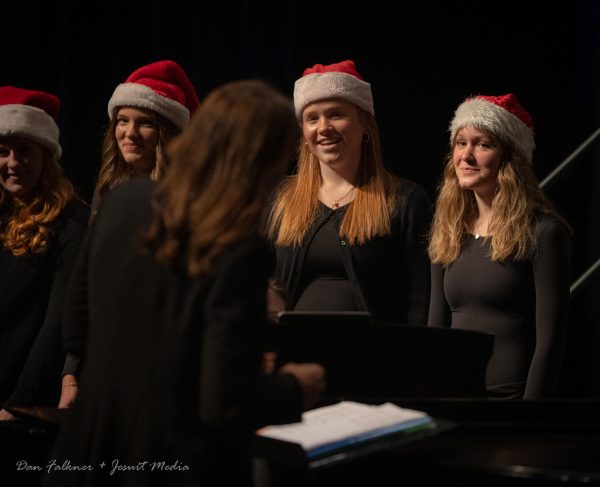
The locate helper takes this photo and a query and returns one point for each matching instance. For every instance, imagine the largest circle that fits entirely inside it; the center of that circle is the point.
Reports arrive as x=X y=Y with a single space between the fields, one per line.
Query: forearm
x=439 y=311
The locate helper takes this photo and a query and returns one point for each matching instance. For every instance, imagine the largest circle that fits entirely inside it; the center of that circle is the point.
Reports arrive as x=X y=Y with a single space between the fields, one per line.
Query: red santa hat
x=30 y=114
x=162 y=87
x=502 y=115
x=339 y=80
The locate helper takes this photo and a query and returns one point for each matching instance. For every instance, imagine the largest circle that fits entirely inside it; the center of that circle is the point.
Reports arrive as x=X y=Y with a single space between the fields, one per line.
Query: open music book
x=347 y=423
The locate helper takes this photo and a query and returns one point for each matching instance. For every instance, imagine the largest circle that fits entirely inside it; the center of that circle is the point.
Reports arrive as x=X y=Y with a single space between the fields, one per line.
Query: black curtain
x=421 y=62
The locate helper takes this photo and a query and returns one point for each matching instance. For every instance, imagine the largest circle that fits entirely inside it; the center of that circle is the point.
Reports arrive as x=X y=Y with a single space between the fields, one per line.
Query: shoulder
x=284 y=186
x=549 y=227
x=253 y=248
x=73 y=219
x=77 y=212
x=409 y=189
x=410 y=195
x=552 y=238
x=251 y=258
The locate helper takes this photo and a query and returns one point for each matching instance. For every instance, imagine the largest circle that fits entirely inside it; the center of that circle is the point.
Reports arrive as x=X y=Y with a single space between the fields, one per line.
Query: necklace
x=336 y=203
x=477 y=231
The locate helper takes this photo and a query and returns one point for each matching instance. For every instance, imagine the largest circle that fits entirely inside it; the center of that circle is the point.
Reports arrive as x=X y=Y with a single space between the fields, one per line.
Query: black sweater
x=389 y=274
x=31 y=295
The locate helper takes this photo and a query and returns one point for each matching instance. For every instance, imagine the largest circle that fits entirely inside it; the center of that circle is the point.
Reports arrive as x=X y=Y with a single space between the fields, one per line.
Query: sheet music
x=346 y=421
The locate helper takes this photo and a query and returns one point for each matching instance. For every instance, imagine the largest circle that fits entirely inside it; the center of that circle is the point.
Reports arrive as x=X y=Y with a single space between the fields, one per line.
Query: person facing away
x=174 y=327
x=42 y=224
x=152 y=106
x=348 y=234
x=500 y=254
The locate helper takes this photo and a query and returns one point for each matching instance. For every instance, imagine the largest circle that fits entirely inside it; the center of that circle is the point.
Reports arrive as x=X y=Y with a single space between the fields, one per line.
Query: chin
x=330 y=159
x=20 y=192
x=131 y=159
x=469 y=183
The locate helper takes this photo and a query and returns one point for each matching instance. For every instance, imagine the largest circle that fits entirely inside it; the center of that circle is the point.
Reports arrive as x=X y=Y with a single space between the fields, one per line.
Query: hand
x=268 y=363
x=68 y=392
x=5 y=415
x=311 y=377
x=275 y=303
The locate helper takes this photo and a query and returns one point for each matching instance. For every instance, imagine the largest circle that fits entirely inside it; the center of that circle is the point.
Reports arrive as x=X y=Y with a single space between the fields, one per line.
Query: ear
x=361 y=118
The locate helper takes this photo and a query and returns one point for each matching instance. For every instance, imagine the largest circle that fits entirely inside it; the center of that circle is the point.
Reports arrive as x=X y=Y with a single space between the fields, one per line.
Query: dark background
x=422 y=60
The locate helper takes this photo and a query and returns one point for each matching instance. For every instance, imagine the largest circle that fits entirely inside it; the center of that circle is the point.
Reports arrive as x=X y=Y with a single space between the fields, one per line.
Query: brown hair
x=26 y=224
x=517 y=201
x=114 y=170
x=224 y=166
x=370 y=213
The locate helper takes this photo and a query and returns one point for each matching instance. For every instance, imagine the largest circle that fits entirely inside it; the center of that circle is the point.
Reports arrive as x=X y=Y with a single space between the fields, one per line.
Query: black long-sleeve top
x=32 y=289
x=389 y=274
x=524 y=304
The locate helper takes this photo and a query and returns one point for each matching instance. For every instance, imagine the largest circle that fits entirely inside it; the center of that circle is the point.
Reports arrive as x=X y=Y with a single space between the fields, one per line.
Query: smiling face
x=476 y=156
x=137 y=135
x=333 y=131
x=21 y=163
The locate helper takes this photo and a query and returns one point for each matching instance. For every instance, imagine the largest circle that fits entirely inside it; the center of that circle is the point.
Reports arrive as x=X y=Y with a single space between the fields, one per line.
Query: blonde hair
x=26 y=224
x=368 y=216
x=515 y=207
x=114 y=170
x=224 y=166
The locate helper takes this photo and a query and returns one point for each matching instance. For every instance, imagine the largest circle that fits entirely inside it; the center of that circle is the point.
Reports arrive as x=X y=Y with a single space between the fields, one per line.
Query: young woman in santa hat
x=146 y=112
x=42 y=224
x=500 y=253
x=349 y=235
x=152 y=106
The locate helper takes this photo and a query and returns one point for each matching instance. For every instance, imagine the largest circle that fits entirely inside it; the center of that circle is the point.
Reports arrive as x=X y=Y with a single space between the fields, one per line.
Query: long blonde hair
x=224 y=166
x=517 y=202
x=368 y=216
x=114 y=170
x=26 y=224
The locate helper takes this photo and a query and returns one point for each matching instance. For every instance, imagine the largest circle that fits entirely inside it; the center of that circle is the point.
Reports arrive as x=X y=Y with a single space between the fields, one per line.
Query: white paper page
x=340 y=421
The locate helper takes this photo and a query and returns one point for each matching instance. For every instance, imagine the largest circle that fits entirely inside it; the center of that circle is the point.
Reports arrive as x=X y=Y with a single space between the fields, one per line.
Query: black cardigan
x=32 y=290
x=389 y=274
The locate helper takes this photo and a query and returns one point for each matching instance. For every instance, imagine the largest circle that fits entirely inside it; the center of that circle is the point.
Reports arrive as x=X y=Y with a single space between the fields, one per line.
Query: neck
x=336 y=189
x=484 y=198
x=481 y=221
x=136 y=171
x=338 y=178
x=484 y=206
x=21 y=200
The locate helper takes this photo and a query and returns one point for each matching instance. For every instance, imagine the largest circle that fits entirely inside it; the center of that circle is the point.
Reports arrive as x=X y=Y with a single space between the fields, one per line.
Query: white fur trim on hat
x=30 y=123
x=320 y=86
x=481 y=114
x=140 y=96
